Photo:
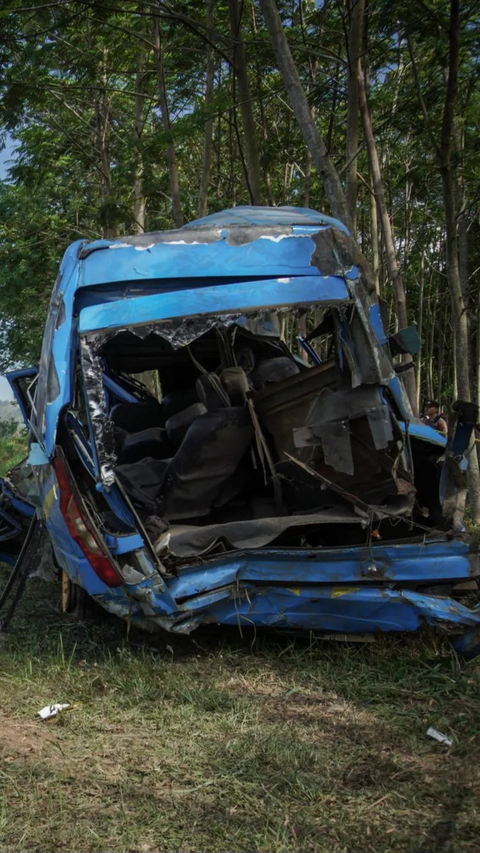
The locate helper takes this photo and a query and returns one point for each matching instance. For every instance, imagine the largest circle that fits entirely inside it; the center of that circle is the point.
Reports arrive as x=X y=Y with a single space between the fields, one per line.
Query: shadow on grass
x=260 y=741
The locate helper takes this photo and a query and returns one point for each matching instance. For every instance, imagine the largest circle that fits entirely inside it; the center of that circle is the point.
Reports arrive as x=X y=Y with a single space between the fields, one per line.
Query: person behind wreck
x=434 y=418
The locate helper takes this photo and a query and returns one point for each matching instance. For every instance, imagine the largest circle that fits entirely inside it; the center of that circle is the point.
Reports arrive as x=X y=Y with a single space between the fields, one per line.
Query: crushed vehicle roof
x=243 y=241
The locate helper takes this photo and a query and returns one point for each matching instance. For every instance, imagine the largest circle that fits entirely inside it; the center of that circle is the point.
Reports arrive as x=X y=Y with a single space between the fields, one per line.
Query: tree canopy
x=131 y=116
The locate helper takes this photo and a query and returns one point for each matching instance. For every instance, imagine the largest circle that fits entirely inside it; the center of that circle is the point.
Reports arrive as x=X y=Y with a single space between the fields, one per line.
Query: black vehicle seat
x=273 y=370
x=194 y=481
x=176 y=401
x=178 y=424
x=211 y=392
x=210 y=453
x=134 y=417
x=151 y=442
x=142 y=482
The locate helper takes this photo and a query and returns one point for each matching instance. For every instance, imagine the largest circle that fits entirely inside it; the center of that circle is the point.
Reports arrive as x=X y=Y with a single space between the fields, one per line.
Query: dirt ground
x=220 y=742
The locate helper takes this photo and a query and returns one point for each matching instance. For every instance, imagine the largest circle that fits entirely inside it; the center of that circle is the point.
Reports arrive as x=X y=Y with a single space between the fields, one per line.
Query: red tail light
x=81 y=527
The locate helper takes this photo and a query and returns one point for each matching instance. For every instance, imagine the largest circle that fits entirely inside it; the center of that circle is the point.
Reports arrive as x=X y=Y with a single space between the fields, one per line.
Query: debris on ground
x=436 y=735
x=50 y=711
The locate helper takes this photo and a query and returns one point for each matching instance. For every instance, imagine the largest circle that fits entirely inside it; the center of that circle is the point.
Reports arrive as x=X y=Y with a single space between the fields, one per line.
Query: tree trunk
x=162 y=100
x=374 y=235
x=331 y=123
x=208 y=138
x=448 y=184
x=138 y=188
x=454 y=364
x=313 y=139
x=459 y=311
x=102 y=123
x=263 y=117
x=440 y=395
x=390 y=251
x=307 y=186
x=477 y=350
x=218 y=140
x=241 y=73
x=463 y=252
x=374 y=239
x=302 y=331
x=354 y=47
x=430 y=336
x=418 y=378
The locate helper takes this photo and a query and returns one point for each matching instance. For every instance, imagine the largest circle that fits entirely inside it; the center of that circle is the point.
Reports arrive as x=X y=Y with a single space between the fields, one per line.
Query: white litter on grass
x=436 y=735
x=52 y=710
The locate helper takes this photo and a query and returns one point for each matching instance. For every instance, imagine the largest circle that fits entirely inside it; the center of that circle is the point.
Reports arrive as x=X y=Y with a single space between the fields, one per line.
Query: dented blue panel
x=377 y=324
x=424 y=433
x=420 y=562
x=268 y=256
x=228 y=298
x=344 y=610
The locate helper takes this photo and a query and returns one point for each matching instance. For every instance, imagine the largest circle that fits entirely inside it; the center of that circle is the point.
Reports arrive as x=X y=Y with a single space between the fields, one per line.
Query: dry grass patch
x=220 y=743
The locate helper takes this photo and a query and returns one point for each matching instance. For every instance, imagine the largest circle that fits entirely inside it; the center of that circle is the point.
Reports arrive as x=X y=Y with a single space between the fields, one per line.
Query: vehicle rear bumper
x=345 y=590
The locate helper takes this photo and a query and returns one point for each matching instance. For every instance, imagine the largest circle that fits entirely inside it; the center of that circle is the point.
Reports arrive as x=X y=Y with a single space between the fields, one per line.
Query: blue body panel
x=228 y=298
x=329 y=591
x=390 y=563
x=199 y=272
x=63 y=352
x=276 y=256
x=416 y=429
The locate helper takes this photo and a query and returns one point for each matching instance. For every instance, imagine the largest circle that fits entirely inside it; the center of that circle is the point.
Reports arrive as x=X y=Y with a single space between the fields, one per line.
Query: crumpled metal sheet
x=336 y=253
x=195 y=540
x=234 y=235
x=331 y=418
x=183 y=332
x=102 y=426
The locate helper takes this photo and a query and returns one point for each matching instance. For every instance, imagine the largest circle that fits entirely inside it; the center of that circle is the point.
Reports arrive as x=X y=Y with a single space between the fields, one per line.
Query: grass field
x=218 y=743
x=12 y=450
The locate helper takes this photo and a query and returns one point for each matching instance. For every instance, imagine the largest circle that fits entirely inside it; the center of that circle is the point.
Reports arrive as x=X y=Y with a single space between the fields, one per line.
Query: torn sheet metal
x=332 y=417
x=189 y=540
x=334 y=252
x=337 y=251
x=102 y=426
x=183 y=332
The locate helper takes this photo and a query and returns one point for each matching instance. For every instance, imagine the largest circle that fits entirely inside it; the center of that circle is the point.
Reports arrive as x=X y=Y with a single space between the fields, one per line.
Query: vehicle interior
x=235 y=433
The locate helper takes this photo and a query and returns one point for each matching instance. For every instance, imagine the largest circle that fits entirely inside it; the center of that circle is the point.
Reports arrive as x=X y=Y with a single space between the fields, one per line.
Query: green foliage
x=79 y=94
x=13 y=448
x=8 y=428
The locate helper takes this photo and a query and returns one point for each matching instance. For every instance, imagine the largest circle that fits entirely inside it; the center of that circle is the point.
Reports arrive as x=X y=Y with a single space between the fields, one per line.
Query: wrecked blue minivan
x=199 y=461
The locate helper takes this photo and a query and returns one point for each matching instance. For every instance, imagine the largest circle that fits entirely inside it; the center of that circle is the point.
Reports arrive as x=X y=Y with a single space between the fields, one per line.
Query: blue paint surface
x=332 y=609
x=424 y=432
x=176 y=260
x=229 y=298
x=377 y=324
x=421 y=562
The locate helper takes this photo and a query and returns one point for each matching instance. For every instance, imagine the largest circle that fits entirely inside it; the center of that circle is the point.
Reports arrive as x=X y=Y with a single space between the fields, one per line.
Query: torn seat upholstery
x=192 y=483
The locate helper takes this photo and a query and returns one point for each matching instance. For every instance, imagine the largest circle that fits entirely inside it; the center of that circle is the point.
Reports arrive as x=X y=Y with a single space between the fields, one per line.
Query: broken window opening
x=234 y=428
